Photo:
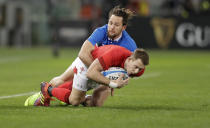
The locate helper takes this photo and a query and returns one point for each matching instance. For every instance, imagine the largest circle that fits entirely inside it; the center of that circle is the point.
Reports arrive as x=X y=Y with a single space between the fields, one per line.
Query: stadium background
x=158 y=24
x=40 y=38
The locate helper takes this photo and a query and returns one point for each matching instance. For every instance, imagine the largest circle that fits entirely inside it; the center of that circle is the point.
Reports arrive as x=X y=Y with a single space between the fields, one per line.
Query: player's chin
x=111 y=36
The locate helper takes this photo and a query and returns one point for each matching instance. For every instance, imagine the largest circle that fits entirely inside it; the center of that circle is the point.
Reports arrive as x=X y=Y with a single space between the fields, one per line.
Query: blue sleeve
x=133 y=46
x=97 y=36
x=128 y=42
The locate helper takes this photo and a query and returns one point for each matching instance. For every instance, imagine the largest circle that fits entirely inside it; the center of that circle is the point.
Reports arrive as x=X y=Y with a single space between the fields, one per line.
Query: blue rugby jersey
x=100 y=37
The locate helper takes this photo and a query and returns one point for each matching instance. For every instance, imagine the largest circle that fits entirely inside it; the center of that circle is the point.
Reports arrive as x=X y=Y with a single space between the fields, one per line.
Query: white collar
x=117 y=38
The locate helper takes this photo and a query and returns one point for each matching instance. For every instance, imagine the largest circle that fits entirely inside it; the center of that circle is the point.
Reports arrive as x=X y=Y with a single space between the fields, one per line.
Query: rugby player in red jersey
x=112 y=33
x=104 y=57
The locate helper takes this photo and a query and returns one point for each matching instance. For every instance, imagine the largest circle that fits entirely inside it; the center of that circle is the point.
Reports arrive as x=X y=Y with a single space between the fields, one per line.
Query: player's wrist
x=113 y=84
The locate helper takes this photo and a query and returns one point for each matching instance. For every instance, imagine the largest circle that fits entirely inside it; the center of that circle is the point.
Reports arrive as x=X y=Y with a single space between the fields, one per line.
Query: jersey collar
x=116 y=40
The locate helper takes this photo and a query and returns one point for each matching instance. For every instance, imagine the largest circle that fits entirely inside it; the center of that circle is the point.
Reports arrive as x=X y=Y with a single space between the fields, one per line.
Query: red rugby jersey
x=112 y=56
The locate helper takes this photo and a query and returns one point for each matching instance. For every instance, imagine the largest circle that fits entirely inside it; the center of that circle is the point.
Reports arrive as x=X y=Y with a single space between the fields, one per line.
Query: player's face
x=134 y=66
x=115 y=27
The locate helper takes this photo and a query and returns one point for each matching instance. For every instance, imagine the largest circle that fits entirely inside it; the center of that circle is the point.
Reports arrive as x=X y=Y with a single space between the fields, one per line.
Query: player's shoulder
x=102 y=28
x=128 y=41
x=127 y=36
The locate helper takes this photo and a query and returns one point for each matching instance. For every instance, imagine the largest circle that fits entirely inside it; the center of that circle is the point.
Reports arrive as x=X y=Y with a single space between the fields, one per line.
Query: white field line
x=151 y=75
x=17 y=95
x=12 y=59
x=15 y=59
x=6 y=60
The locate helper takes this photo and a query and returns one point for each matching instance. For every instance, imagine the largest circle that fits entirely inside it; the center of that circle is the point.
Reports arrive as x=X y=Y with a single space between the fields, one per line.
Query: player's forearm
x=94 y=73
x=85 y=53
x=98 y=77
x=86 y=59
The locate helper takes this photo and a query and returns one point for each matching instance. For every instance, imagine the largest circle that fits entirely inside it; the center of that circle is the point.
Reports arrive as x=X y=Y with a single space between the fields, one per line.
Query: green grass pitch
x=174 y=92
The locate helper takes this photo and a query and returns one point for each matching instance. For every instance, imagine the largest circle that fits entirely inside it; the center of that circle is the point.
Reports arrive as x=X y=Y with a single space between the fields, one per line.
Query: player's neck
x=117 y=38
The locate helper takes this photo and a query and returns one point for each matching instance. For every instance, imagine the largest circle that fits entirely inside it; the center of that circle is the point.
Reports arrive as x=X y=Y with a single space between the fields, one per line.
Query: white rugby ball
x=114 y=73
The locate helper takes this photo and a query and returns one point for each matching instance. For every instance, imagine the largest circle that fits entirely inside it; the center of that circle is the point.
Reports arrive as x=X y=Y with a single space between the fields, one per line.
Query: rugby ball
x=114 y=73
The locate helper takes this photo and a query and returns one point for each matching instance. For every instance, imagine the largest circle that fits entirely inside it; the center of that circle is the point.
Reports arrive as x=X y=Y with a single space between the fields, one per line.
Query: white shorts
x=80 y=81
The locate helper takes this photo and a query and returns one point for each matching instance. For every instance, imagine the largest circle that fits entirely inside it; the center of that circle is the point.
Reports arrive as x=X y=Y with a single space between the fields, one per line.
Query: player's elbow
x=81 y=53
x=85 y=51
x=81 y=56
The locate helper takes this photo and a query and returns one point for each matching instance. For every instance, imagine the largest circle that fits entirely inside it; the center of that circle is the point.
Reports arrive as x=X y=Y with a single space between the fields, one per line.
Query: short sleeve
x=97 y=36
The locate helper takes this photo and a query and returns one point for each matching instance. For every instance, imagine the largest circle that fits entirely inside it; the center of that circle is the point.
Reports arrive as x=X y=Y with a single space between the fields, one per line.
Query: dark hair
x=126 y=14
x=141 y=54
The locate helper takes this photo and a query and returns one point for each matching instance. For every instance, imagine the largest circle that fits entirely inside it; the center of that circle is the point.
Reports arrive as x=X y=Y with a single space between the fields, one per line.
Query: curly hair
x=126 y=14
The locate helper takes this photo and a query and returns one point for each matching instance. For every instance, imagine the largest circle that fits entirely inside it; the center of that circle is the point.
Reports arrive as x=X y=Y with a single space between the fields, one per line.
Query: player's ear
x=124 y=27
x=130 y=58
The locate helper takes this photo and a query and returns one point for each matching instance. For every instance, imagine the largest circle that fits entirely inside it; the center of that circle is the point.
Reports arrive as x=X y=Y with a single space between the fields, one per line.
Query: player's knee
x=98 y=102
x=75 y=103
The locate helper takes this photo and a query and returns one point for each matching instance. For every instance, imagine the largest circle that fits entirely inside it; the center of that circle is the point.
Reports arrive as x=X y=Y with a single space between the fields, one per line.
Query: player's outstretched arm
x=64 y=77
x=85 y=53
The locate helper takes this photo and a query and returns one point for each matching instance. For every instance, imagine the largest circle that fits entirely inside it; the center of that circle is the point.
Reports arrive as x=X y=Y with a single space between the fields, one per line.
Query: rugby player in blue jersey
x=112 y=33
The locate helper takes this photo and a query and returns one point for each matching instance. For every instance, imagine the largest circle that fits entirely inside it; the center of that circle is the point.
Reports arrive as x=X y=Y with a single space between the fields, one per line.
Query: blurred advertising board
x=71 y=33
x=171 y=32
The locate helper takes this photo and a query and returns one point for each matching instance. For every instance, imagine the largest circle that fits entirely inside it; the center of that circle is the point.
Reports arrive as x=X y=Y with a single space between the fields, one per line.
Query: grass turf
x=173 y=92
